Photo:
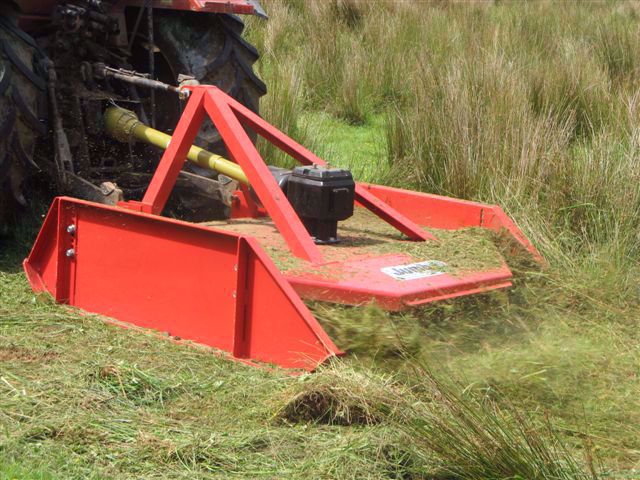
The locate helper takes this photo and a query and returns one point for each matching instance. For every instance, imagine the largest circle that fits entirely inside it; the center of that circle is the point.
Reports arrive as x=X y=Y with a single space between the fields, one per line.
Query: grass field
x=533 y=106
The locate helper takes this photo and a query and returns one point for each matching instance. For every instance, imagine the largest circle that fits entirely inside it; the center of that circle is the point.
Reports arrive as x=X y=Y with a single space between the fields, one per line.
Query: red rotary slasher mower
x=238 y=285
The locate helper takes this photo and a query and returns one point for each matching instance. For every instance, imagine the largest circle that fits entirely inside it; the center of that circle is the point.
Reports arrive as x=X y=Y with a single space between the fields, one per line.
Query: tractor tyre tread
x=22 y=92
x=228 y=64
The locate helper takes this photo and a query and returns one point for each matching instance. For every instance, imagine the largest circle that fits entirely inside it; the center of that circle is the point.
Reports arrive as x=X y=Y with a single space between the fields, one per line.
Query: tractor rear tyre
x=22 y=100
x=211 y=49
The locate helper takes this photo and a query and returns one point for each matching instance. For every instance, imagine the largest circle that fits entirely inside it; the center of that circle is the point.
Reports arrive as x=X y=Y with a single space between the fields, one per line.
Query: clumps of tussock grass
x=533 y=108
x=284 y=104
x=336 y=395
x=474 y=437
x=450 y=432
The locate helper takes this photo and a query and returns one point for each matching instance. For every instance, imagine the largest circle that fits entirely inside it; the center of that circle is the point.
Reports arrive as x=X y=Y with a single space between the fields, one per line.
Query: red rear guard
x=195 y=283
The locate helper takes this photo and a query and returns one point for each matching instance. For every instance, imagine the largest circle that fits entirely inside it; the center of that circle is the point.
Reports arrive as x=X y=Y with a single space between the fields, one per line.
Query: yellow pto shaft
x=124 y=126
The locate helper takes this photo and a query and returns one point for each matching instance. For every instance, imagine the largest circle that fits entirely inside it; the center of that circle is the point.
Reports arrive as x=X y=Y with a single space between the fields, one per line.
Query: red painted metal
x=306 y=157
x=219 y=288
x=44 y=8
x=242 y=151
x=436 y=211
x=244 y=207
x=361 y=282
x=175 y=155
x=211 y=6
x=34 y=14
x=229 y=117
x=210 y=286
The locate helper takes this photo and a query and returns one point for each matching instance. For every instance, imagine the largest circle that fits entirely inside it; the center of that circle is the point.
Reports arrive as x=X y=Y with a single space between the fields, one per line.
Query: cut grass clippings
x=82 y=398
x=336 y=395
x=365 y=235
x=456 y=435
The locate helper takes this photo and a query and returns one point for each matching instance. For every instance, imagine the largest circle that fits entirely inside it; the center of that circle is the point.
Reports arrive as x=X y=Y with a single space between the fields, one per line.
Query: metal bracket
x=230 y=117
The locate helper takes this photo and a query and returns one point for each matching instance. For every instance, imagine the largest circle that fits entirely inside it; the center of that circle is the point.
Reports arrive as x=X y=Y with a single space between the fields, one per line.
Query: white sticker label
x=412 y=271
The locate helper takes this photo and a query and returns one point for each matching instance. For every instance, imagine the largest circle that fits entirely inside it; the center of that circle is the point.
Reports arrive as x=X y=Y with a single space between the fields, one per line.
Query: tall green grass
x=530 y=105
x=449 y=432
x=534 y=106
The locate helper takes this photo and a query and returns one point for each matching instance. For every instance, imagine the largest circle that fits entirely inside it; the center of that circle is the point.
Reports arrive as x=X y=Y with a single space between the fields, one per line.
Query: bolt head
x=71 y=229
x=70 y=253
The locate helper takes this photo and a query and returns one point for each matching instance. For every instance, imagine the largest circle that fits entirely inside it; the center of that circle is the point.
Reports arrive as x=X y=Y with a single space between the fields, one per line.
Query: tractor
x=63 y=62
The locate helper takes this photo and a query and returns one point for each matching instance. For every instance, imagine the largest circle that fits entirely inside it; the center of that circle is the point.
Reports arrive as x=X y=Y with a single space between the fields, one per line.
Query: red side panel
x=44 y=254
x=277 y=337
x=212 y=287
x=436 y=211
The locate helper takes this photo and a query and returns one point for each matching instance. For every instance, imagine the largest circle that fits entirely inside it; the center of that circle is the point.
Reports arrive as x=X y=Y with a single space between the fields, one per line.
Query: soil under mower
x=237 y=285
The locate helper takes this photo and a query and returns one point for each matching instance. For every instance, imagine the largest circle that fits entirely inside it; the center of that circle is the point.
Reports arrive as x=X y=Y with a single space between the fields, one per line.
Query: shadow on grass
x=16 y=244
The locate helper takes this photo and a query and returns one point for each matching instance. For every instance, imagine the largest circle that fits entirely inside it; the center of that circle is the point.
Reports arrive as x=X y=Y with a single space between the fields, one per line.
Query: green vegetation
x=82 y=398
x=532 y=106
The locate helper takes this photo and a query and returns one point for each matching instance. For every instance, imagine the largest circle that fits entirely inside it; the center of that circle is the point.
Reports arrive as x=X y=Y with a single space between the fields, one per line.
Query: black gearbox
x=321 y=197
